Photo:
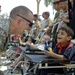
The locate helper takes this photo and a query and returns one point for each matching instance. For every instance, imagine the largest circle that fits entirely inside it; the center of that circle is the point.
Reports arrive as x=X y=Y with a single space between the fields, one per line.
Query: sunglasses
x=30 y=25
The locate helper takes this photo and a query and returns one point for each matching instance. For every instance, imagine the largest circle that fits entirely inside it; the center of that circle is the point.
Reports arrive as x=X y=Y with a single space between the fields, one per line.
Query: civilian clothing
x=66 y=50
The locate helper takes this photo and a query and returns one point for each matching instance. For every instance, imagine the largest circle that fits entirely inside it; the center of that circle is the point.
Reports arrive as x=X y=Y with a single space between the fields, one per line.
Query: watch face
x=2 y=38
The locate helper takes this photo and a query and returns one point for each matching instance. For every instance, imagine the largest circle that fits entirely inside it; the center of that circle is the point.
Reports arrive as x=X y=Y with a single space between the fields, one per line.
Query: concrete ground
x=3 y=65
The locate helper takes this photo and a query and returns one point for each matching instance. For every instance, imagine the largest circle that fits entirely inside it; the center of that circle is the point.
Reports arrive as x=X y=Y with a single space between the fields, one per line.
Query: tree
x=47 y=2
x=38 y=4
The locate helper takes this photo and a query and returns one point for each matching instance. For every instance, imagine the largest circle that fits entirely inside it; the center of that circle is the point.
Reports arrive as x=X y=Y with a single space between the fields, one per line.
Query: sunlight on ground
x=3 y=68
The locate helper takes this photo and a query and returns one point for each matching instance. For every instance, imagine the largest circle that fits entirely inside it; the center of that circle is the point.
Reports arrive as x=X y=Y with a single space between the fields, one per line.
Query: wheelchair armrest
x=52 y=60
x=33 y=50
x=72 y=62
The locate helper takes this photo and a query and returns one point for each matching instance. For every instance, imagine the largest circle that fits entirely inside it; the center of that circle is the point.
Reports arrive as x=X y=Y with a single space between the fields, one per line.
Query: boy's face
x=45 y=38
x=62 y=37
x=45 y=16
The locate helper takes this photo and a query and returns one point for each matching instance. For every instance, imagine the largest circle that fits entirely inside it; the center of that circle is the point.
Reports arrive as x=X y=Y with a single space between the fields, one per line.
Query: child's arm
x=54 y=55
x=20 y=41
x=31 y=45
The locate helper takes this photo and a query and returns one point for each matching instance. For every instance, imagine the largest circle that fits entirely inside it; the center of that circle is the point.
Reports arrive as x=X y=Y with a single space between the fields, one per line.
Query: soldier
x=56 y=18
x=20 y=19
x=57 y=8
x=64 y=6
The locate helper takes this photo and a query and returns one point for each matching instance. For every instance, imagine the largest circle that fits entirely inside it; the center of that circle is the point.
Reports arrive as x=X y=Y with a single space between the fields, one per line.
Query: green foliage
x=47 y=2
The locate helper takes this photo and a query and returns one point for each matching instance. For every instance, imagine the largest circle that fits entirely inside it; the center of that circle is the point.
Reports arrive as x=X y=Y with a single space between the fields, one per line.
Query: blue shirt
x=68 y=50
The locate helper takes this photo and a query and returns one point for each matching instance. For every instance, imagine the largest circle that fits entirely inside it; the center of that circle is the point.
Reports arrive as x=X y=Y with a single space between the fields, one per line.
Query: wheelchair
x=37 y=61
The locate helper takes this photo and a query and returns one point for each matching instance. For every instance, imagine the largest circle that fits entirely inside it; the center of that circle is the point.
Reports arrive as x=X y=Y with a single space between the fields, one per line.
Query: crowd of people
x=60 y=31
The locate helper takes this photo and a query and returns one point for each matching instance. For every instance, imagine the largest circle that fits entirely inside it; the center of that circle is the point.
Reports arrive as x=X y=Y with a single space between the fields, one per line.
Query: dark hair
x=19 y=10
x=24 y=35
x=35 y=15
x=47 y=13
x=68 y=30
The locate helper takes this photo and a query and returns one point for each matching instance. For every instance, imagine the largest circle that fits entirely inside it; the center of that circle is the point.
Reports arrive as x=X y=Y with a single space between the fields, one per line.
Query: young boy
x=64 y=49
x=64 y=46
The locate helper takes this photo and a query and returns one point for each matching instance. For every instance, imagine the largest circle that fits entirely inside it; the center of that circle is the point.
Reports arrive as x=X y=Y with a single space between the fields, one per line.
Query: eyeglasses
x=30 y=25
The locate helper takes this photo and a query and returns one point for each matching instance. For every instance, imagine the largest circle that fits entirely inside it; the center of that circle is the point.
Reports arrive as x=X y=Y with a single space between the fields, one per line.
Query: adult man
x=64 y=6
x=57 y=8
x=20 y=19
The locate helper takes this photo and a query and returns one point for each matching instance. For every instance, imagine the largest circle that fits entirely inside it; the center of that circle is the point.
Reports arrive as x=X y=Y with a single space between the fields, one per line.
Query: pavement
x=3 y=65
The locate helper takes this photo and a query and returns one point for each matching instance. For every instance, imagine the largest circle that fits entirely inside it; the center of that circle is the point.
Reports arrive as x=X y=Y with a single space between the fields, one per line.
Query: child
x=64 y=46
x=63 y=49
x=46 y=21
x=19 y=50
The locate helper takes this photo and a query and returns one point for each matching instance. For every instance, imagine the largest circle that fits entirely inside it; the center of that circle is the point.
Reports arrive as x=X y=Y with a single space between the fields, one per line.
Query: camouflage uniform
x=62 y=14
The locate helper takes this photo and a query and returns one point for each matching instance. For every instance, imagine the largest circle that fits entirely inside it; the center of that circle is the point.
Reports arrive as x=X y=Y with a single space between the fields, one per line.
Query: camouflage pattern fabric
x=2 y=38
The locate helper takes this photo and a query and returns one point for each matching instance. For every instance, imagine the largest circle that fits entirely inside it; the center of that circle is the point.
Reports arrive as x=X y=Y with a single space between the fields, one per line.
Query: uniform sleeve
x=70 y=53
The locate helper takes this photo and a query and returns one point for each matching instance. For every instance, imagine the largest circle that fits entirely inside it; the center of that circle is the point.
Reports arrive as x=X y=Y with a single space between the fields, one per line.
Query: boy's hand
x=48 y=54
